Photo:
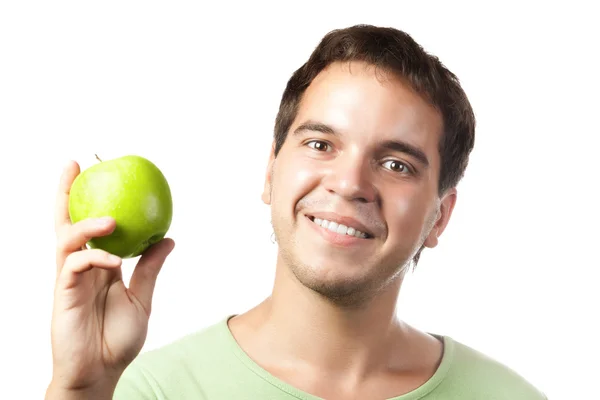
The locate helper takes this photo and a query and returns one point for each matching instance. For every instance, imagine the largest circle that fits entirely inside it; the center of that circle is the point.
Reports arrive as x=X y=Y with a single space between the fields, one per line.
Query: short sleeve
x=136 y=384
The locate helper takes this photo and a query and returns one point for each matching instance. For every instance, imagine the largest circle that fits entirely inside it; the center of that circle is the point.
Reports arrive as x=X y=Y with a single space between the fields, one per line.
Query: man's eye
x=396 y=166
x=318 y=145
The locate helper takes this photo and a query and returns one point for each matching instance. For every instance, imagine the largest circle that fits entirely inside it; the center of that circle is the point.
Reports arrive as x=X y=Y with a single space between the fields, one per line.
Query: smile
x=340 y=229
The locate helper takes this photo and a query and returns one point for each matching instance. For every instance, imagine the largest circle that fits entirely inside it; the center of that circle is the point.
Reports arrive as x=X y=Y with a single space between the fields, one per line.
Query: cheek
x=407 y=212
x=403 y=214
x=302 y=176
x=294 y=179
x=298 y=172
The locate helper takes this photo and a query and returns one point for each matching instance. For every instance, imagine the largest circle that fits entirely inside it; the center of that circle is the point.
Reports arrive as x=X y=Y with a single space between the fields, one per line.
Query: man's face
x=362 y=153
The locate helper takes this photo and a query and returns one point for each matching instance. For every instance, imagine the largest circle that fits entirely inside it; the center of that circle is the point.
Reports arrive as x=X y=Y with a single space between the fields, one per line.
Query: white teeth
x=333 y=226
x=339 y=228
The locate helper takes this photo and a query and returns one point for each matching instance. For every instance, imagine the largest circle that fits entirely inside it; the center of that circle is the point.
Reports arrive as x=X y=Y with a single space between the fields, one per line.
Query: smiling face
x=354 y=188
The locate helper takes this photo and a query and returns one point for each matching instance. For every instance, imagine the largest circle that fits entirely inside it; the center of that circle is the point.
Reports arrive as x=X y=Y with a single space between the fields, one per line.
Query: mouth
x=339 y=228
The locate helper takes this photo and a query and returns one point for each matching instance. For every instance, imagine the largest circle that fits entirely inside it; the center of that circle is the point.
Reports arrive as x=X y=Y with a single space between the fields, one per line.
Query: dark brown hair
x=395 y=52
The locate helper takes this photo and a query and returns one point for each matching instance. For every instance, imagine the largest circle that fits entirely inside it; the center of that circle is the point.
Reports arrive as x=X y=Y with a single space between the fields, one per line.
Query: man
x=372 y=137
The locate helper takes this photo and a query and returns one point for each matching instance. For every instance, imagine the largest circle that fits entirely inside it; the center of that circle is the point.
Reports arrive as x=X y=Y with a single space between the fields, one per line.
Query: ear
x=266 y=195
x=443 y=217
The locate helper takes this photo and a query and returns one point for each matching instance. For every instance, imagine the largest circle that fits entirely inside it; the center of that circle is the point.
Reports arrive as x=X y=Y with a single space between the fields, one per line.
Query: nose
x=351 y=178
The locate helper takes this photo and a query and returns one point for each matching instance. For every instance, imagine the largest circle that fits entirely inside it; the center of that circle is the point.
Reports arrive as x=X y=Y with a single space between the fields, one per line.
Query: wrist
x=97 y=392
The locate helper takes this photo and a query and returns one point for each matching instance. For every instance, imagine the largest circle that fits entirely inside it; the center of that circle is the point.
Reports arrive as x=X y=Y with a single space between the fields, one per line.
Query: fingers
x=61 y=212
x=144 y=276
x=82 y=261
x=74 y=237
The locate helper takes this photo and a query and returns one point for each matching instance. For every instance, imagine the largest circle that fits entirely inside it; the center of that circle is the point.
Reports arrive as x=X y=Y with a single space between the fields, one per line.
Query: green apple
x=134 y=192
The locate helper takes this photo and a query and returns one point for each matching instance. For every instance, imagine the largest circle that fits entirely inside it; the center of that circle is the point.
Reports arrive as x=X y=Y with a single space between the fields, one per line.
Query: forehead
x=368 y=105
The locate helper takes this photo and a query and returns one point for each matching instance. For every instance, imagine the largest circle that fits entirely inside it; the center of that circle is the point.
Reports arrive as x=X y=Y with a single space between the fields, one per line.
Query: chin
x=336 y=283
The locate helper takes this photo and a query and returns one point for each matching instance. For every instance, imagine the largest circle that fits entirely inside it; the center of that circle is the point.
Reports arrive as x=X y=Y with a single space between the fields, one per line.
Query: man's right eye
x=318 y=145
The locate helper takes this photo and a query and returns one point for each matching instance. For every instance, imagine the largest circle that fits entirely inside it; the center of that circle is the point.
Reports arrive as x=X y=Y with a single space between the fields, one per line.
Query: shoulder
x=479 y=375
x=152 y=375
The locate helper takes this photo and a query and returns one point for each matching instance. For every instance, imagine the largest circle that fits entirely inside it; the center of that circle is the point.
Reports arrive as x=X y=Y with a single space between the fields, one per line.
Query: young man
x=371 y=140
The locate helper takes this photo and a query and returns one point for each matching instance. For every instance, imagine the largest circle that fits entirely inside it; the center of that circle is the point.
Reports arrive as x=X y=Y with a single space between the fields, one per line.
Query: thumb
x=146 y=271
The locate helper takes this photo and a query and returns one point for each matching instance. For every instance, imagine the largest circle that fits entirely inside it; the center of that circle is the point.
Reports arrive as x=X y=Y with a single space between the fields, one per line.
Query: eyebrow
x=393 y=145
x=315 y=127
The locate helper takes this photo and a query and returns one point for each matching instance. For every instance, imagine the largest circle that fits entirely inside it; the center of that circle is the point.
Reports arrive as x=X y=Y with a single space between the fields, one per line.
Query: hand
x=98 y=325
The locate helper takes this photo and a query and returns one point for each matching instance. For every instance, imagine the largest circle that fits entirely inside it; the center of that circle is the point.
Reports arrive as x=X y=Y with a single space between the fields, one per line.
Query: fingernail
x=103 y=221
x=114 y=259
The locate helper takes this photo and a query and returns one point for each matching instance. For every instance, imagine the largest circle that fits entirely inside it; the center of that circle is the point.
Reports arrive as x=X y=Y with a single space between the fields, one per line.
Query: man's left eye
x=396 y=166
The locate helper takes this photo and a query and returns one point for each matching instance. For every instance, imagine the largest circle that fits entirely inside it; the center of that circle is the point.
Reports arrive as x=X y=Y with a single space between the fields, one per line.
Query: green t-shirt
x=210 y=365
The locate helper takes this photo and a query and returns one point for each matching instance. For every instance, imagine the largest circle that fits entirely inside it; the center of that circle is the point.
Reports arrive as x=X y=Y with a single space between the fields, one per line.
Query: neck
x=299 y=324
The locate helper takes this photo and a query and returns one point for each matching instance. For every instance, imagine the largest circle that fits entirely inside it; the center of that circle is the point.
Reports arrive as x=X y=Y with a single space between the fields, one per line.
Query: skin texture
x=332 y=313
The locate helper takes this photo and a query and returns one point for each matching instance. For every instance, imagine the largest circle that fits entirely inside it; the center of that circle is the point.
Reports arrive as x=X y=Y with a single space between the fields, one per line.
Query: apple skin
x=133 y=191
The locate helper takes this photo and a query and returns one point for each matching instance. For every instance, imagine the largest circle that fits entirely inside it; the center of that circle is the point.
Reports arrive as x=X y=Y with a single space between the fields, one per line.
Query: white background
x=195 y=88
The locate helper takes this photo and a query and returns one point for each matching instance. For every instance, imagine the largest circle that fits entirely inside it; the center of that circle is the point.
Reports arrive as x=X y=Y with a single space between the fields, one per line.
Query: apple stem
x=98 y=158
